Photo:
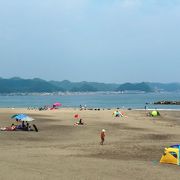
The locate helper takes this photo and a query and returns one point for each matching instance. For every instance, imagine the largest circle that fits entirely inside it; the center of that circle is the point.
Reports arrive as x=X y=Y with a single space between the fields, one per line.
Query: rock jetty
x=168 y=102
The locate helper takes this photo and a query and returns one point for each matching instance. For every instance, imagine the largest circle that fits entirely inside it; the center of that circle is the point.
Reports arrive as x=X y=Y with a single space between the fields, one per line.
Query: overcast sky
x=92 y=40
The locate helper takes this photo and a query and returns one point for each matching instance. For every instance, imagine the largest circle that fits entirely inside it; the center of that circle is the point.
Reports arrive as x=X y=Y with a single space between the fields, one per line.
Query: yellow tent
x=171 y=155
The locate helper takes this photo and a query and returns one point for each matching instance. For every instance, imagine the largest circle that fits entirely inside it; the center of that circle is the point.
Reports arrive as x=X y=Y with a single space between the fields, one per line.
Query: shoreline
x=87 y=110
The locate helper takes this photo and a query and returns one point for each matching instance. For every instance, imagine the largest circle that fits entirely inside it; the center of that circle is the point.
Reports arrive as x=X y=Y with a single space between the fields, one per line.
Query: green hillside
x=135 y=87
x=18 y=85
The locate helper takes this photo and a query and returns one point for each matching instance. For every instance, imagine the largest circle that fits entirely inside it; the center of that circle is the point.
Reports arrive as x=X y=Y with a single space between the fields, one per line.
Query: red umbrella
x=76 y=116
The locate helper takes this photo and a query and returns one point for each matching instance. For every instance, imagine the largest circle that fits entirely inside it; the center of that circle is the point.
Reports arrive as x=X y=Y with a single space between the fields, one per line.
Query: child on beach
x=102 y=136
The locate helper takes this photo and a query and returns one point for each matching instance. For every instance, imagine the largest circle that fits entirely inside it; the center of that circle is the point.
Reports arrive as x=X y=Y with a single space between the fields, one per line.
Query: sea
x=92 y=100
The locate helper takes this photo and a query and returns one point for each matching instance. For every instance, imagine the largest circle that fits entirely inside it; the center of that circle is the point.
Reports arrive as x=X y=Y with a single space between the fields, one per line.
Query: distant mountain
x=169 y=87
x=67 y=85
x=18 y=85
x=84 y=86
x=135 y=87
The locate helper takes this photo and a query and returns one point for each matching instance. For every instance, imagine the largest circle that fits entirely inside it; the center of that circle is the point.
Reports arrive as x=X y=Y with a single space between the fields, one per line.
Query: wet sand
x=60 y=150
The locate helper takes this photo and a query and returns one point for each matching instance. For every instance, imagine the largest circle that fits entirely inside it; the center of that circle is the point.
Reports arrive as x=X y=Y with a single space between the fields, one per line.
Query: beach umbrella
x=27 y=118
x=22 y=117
x=13 y=116
x=57 y=104
x=76 y=116
x=19 y=116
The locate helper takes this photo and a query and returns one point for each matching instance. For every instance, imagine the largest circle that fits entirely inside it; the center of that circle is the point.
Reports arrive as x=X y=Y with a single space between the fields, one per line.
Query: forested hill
x=19 y=85
x=135 y=87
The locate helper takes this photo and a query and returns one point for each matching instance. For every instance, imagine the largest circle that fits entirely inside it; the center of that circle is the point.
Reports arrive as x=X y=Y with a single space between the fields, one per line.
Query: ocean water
x=134 y=101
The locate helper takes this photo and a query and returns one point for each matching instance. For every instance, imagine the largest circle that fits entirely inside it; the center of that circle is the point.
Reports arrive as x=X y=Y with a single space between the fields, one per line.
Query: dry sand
x=132 y=149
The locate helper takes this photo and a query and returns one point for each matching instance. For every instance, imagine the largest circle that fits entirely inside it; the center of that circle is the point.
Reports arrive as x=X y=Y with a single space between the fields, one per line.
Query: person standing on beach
x=102 y=136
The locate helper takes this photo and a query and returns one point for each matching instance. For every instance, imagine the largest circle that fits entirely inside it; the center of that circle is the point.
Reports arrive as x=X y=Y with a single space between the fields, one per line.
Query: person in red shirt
x=102 y=136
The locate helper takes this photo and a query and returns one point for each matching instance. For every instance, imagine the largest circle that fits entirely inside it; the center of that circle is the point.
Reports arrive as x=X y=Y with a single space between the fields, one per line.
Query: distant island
x=36 y=85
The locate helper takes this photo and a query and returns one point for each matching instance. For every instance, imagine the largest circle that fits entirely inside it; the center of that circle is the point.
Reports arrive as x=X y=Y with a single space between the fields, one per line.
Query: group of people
x=24 y=126
x=82 y=107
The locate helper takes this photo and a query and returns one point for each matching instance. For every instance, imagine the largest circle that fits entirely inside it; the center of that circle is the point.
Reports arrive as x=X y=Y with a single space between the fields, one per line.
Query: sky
x=111 y=41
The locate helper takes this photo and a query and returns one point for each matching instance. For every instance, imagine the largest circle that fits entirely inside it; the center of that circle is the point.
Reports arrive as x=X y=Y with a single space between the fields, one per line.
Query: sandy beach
x=132 y=150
